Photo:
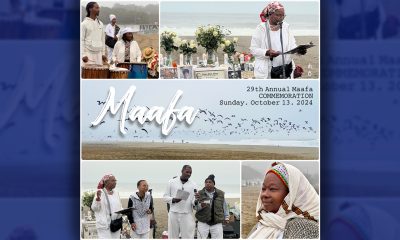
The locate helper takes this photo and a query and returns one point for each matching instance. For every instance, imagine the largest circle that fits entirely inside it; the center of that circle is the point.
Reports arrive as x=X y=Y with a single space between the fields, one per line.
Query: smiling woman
x=288 y=205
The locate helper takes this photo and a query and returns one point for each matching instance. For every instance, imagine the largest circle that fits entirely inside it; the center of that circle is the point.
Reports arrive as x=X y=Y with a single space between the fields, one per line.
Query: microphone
x=195 y=201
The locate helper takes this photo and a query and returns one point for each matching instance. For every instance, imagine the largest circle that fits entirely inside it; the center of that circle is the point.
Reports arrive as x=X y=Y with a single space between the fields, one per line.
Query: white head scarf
x=126 y=30
x=302 y=201
x=112 y=16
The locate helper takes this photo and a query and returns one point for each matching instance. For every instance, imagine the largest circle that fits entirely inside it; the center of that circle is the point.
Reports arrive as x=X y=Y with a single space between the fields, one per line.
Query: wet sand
x=191 y=151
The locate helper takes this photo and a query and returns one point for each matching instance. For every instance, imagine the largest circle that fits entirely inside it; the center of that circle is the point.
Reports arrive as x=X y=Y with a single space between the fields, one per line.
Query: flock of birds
x=215 y=124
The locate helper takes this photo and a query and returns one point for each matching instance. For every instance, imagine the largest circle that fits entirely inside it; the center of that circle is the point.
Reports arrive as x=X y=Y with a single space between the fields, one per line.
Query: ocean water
x=242 y=24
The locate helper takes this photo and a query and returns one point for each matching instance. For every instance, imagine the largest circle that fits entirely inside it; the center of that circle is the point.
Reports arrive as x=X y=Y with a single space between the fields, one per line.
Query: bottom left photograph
x=160 y=199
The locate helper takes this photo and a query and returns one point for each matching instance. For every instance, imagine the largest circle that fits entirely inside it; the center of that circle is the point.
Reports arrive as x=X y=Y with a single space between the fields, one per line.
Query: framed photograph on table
x=169 y=73
x=185 y=72
x=219 y=73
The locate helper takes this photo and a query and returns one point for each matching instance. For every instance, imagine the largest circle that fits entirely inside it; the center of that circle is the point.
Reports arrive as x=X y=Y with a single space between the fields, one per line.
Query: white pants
x=180 y=223
x=107 y=234
x=216 y=230
x=109 y=53
x=140 y=236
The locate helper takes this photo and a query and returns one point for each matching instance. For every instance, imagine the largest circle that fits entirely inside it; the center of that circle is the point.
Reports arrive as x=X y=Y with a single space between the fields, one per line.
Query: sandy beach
x=312 y=56
x=148 y=40
x=189 y=151
x=249 y=202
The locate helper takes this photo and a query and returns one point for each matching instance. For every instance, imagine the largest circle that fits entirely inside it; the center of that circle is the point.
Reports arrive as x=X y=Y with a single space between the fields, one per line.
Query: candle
x=226 y=61
x=181 y=59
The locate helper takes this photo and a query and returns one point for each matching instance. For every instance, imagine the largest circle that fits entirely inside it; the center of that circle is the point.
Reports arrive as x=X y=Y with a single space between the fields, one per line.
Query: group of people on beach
x=101 y=45
x=182 y=198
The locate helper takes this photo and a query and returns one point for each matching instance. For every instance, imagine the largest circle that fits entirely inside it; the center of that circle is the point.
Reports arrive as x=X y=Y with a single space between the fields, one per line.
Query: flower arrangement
x=210 y=37
x=170 y=41
x=188 y=47
x=228 y=46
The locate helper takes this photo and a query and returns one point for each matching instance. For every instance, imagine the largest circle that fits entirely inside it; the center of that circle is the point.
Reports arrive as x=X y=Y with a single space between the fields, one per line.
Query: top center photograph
x=239 y=40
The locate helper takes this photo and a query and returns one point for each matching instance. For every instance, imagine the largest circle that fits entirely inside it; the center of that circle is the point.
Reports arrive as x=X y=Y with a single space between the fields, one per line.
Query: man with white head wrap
x=112 y=30
x=288 y=206
x=127 y=49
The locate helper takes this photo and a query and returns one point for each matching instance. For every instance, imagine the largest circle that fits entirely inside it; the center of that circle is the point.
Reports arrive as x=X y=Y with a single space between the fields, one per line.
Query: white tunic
x=110 y=30
x=102 y=212
x=184 y=206
x=92 y=36
x=259 y=46
x=119 y=52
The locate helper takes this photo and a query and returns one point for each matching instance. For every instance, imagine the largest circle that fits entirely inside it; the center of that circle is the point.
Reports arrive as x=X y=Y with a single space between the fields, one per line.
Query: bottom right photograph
x=280 y=200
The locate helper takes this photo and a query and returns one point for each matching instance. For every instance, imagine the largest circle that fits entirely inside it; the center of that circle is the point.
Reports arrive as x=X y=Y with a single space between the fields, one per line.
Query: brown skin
x=94 y=13
x=273 y=192
x=186 y=174
x=143 y=188
x=109 y=186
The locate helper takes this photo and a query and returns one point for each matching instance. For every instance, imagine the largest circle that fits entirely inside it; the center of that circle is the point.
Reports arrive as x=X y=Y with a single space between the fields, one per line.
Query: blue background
x=39 y=128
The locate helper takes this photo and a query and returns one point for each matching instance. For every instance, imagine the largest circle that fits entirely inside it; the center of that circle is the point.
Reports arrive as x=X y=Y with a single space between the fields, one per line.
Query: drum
x=119 y=73
x=136 y=70
x=93 y=71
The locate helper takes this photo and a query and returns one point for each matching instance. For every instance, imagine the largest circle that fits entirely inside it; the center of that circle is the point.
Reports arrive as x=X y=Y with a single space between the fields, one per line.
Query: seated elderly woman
x=127 y=49
x=288 y=206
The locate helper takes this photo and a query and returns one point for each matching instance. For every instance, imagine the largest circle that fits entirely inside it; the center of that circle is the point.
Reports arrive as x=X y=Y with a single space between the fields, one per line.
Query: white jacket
x=119 y=52
x=100 y=209
x=92 y=36
x=259 y=46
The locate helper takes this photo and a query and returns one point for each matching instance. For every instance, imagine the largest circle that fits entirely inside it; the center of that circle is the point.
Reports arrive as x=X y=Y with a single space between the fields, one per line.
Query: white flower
x=235 y=39
x=184 y=41
x=215 y=33
x=177 y=42
x=227 y=42
x=192 y=42
x=192 y=45
x=222 y=46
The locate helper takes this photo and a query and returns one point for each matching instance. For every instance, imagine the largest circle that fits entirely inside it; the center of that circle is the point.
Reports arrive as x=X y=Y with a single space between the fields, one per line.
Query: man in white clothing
x=266 y=43
x=112 y=30
x=107 y=201
x=180 y=217
x=93 y=36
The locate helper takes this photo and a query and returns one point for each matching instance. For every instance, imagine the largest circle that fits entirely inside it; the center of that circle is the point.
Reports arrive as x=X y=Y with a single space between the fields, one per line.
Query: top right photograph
x=240 y=40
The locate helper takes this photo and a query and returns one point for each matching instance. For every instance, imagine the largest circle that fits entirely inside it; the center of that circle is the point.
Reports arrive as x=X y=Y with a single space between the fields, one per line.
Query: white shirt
x=110 y=30
x=92 y=36
x=184 y=206
x=101 y=211
x=259 y=46
x=119 y=52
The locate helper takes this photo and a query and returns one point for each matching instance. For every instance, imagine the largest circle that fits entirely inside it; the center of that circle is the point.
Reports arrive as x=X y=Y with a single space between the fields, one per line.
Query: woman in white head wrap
x=127 y=49
x=288 y=206
x=111 y=30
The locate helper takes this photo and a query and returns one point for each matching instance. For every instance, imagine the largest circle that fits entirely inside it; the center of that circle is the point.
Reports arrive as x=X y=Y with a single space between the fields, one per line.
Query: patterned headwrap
x=280 y=171
x=269 y=9
x=102 y=181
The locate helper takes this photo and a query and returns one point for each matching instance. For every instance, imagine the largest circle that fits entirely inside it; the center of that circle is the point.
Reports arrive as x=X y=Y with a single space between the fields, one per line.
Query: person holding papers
x=180 y=194
x=266 y=44
x=212 y=210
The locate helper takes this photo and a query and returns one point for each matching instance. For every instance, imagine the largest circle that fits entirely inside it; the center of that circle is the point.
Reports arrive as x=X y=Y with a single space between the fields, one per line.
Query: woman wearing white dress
x=101 y=209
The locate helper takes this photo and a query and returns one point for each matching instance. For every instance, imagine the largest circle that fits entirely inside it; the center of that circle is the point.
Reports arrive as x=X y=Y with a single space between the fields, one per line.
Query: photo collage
x=200 y=119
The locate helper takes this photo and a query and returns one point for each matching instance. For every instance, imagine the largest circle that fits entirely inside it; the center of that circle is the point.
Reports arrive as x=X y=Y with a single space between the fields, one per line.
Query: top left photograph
x=119 y=40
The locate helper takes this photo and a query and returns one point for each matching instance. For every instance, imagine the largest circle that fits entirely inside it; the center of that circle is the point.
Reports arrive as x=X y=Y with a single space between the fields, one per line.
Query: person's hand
x=176 y=200
x=272 y=53
x=104 y=58
x=302 y=51
x=85 y=59
x=98 y=194
x=148 y=211
x=203 y=204
x=226 y=221
x=197 y=196
x=115 y=38
x=133 y=226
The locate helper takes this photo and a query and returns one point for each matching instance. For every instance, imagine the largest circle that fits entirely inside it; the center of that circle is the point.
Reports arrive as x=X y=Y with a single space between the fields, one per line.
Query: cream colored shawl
x=302 y=201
